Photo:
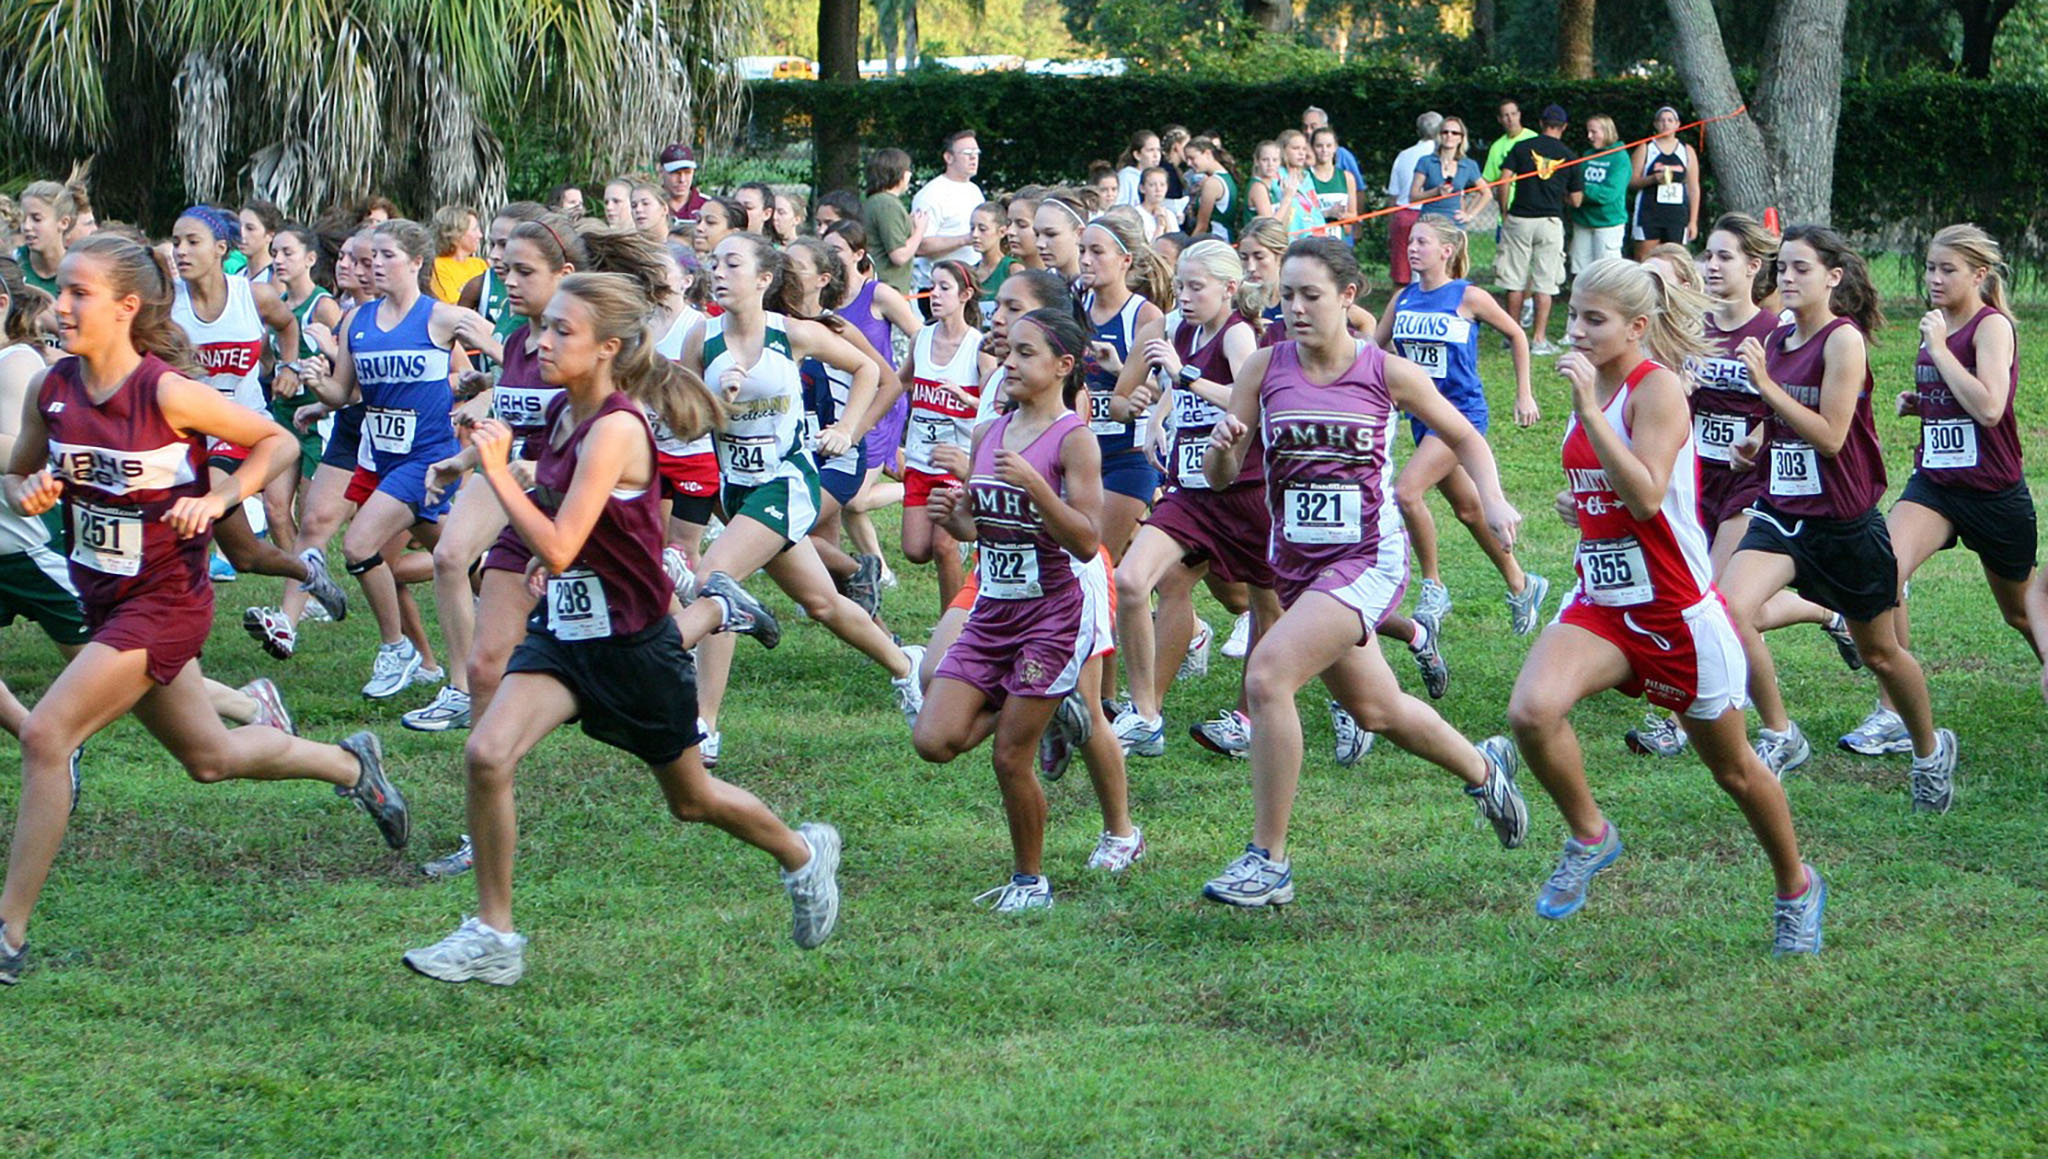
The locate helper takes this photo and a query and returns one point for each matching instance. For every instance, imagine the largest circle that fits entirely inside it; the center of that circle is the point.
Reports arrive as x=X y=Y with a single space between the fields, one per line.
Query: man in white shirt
x=1399 y=182
x=949 y=200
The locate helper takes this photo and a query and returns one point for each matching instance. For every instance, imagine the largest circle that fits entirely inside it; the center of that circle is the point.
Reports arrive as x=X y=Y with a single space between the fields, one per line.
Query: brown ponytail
x=619 y=311
x=132 y=268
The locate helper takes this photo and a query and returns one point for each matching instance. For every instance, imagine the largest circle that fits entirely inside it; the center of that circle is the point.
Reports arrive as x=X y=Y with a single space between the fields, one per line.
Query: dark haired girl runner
x=120 y=438
x=1644 y=618
x=602 y=648
x=1032 y=502
x=1324 y=404
x=1817 y=528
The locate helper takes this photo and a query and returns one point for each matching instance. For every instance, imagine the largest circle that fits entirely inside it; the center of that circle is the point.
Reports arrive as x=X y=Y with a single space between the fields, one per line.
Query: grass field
x=217 y=968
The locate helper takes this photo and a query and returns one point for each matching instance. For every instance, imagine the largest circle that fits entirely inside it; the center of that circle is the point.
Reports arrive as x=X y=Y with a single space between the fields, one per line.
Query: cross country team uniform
x=35 y=582
x=1660 y=212
x=521 y=397
x=689 y=470
x=230 y=350
x=1125 y=468
x=886 y=436
x=945 y=401
x=1228 y=529
x=1429 y=331
x=1645 y=585
x=1725 y=408
x=123 y=467
x=765 y=471
x=826 y=389
x=1821 y=510
x=1968 y=473
x=1330 y=484
x=1035 y=619
x=283 y=409
x=603 y=628
x=406 y=429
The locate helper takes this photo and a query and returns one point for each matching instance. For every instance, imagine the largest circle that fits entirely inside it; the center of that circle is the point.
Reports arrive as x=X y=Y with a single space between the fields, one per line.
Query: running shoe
x=1071 y=728
x=1427 y=648
x=428 y=677
x=713 y=530
x=449 y=709
x=1882 y=733
x=1228 y=733
x=909 y=691
x=707 y=748
x=1251 y=881
x=888 y=583
x=1543 y=349
x=1933 y=780
x=1115 y=854
x=744 y=614
x=270 y=709
x=1141 y=737
x=12 y=962
x=1797 y=920
x=315 y=613
x=321 y=586
x=453 y=864
x=393 y=672
x=77 y=780
x=1022 y=892
x=680 y=577
x=473 y=953
x=220 y=570
x=1782 y=752
x=1658 y=736
x=1113 y=709
x=1433 y=603
x=1837 y=629
x=865 y=588
x=1565 y=892
x=1525 y=608
x=273 y=630
x=1352 y=742
x=375 y=792
x=814 y=889
x=1240 y=640
x=1195 y=664
x=1528 y=318
x=1499 y=800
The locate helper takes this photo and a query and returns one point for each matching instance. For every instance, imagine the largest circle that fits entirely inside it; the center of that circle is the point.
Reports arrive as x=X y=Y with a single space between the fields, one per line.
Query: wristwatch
x=1190 y=375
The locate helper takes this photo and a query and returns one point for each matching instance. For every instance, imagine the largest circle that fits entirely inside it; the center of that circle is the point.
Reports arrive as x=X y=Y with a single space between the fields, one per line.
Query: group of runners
x=588 y=446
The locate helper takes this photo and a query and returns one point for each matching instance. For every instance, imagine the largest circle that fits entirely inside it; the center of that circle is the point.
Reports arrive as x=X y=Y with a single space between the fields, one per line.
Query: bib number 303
x=1795 y=469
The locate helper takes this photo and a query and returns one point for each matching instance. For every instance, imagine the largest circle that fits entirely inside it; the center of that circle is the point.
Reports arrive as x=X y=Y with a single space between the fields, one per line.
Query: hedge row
x=1913 y=153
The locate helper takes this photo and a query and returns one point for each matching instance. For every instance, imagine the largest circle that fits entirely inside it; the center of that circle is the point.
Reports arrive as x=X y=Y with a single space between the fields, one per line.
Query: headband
x=1120 y=246
x=1666 y=109
x=224 y=226
x=1079 y=221
x=559 y=243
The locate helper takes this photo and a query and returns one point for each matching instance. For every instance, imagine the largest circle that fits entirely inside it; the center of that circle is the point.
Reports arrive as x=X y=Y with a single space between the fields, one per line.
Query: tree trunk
x=1575 y=39
x=1271 y=15
x=911 y=53
x=1485 y=25
x=1981 y=19
x=835 y=141
x=1799 y=98
x=1735 y=147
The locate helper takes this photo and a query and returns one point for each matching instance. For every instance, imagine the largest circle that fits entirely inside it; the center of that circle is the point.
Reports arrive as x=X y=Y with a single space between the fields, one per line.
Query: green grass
x=217 y=968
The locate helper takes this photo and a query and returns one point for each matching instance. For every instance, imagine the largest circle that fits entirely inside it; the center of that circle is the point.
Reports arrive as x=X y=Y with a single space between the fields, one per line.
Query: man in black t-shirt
x=1532 y=222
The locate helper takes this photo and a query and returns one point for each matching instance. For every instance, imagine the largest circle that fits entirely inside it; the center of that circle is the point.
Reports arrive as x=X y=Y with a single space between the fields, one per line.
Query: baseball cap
x=676 y=157
x=1554 y=115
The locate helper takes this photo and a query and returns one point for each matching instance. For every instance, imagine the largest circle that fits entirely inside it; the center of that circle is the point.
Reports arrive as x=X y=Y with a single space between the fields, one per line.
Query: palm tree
x=332 y=99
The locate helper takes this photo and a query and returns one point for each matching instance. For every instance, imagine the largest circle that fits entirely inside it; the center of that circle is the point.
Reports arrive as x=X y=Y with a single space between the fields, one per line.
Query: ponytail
x=1675 y=332
x=1149 y=274
x=619 y=310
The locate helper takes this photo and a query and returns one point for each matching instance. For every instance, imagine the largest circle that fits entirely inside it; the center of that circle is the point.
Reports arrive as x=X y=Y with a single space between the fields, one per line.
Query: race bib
x=389 y=432
x=1672 y=194
x=1433 y=357
x=1009 y=571
x=1795 y=469
x=522 y=407
x=1946 y=444
x=747 y=457
x=1713 y=435
x=1322 y=513
x=106 y=539
x=576 y=606
x=1192 y=410
x=1614 y=572
x=1188 y=456
x=1098 y=414
x=926 y=432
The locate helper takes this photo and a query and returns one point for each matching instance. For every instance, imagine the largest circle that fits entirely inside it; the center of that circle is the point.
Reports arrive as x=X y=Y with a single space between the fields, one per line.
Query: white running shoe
x=321 y=586
x=1253 y=881
x=453 y=864
x=1543 y=349
x=909 y=693
x=1882 y=733
x=814 y=889
x=428 y=677
x=1782 y=752
x=1525 y=608
x=1195 y=664
x=707 y=749
x=1022 y=892
x=1353 y=742
x=1115 y=854
x=1140 y=737
x=1433 y=602
x=1932 y=782
x=680 y=577
x=396 y=666
x=449 y=709
x=273 y=630
x=270 y=710
x=1240 y=640
x=315 y=613
x=473 y=953
x=1228 y=733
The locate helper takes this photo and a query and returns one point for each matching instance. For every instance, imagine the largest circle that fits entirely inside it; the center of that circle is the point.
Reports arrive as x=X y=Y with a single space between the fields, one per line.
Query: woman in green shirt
x=1336 y=191
x=893 y=231
x=49 y=210
x=992 y=264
